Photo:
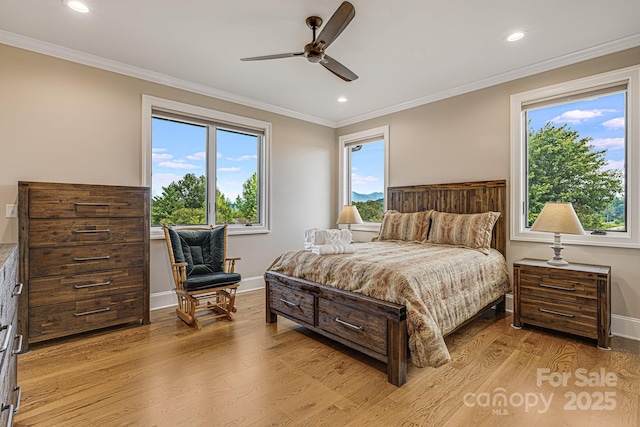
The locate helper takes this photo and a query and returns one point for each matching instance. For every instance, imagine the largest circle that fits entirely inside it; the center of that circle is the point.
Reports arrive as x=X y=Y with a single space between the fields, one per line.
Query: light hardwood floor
x=247 y=372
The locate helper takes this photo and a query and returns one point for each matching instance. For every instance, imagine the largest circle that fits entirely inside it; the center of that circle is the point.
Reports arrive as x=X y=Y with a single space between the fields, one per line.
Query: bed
x=419 y=302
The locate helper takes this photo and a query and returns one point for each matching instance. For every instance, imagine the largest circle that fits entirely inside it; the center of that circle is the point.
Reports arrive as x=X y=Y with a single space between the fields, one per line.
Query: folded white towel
x=330 y=237
x=333 y=249
x=308 y=238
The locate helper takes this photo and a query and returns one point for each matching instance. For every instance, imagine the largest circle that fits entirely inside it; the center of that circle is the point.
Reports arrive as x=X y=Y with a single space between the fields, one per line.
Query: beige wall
x=466 y=138
x=65 y=122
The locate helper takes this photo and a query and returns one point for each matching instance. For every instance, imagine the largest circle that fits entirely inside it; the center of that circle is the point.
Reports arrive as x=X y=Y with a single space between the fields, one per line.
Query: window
x=205 y=167
x=364 y=174
x=579 y=142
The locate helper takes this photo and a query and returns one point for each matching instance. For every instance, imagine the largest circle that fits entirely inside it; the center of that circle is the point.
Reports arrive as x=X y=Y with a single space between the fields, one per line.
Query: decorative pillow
x=468 y=230
x=202 y=250
x=410 y=227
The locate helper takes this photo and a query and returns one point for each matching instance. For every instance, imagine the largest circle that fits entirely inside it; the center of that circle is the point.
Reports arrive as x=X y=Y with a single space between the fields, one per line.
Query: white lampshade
x=349 y=215
x=558 y=217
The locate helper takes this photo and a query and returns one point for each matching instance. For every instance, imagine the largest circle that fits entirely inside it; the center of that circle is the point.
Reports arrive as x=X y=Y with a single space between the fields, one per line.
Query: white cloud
x=575 y=117
x=228 y=169
x=242 y=158
x=162 y=180
x=158 y=150
x=614 y=164
x=218 y=155
x=202 y=155
x=178 y=164
x=617 y=123
x=360 y=179
x=608 y=143
x=158 y=157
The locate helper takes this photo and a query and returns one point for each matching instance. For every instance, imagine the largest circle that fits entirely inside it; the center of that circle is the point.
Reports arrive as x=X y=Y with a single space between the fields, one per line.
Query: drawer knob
x=17 y=290
x=18 y=350
x=7 y=337
x=560 y=288
x=85 y=313
x=349 y=325
x=557 y=313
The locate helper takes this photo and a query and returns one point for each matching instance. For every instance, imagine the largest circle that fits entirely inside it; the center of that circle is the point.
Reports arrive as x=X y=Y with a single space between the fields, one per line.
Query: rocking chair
x=202 y=273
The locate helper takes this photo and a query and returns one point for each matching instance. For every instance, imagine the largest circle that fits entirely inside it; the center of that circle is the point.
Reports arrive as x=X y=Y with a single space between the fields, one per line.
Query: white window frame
x=346 y=141
x=628 y=239
x=151 y=103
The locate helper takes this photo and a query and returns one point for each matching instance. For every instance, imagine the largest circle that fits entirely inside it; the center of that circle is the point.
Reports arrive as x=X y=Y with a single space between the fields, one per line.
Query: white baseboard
x=621 y=326
x=166 y=299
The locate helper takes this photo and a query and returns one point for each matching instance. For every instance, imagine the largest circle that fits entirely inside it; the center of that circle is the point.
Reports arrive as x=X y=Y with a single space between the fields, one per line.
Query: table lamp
x=557 y=218
x=349 y=215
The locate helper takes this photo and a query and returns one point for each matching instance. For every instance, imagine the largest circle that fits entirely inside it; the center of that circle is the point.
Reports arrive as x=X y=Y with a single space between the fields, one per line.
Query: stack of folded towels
x=328 y=242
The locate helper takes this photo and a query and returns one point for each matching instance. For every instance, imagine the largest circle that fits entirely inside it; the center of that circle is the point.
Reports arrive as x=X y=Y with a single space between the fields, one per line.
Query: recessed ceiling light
x=515 y=36
x=342 y=99
x=78 y=6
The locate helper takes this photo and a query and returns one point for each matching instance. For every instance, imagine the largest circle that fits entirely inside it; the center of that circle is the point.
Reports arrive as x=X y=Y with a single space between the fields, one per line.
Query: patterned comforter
x=441 y=286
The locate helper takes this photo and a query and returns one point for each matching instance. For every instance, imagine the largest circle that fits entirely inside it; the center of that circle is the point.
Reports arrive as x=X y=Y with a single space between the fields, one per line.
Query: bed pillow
x=410 y=227
x=468 y=230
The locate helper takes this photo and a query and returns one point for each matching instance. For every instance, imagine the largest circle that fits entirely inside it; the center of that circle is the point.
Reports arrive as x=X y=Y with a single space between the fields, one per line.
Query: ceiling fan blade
x=338 y=69
x=278 y=56
x=336 y=24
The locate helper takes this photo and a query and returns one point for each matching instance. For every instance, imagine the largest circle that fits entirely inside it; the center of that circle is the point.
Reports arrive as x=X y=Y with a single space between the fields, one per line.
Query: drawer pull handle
x=91 y=285
x=544 y=310
x=7 y=337
x=92 y=204
x=19 y=390
x=94 y=258
x=349 y=325
x=19 y=349
x=560 y=288
x=91 y=231
x=289 y=303
x=12 y=410
x=17 y=290
x=85 y=313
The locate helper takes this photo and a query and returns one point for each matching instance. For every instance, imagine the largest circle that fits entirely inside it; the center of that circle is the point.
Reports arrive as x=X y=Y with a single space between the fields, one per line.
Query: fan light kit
x=78 y=6
x=314 y=52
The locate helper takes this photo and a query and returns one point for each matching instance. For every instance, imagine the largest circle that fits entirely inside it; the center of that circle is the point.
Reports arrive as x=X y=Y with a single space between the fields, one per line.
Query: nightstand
x=575 y=299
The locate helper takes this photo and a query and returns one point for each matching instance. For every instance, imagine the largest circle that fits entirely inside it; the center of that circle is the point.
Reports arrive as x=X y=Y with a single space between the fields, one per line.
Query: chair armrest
x=230 y=264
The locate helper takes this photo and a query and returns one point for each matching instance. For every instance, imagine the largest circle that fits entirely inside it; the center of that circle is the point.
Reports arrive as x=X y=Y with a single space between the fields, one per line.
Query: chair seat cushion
x=212 y=280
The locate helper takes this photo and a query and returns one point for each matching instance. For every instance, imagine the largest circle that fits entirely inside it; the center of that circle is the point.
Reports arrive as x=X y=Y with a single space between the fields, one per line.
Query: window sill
x=609 y=240
x=158 y=234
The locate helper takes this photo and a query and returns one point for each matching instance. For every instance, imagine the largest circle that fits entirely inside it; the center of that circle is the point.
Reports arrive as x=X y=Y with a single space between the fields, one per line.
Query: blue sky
x=367 y=168
x=601 y=119
x=180 y=148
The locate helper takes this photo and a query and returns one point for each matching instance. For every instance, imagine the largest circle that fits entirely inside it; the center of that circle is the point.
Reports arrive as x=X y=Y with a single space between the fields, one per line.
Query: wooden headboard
x=463 y=197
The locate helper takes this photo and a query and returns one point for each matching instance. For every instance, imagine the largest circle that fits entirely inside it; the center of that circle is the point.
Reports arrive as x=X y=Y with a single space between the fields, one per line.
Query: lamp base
x=557 y=247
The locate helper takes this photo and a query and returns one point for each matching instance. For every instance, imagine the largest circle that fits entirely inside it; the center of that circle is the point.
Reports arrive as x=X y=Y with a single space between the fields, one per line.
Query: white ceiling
x=406 y=52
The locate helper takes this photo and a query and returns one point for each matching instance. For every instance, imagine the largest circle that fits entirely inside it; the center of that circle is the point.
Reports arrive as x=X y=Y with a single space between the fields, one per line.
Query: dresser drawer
x=84 y=259
x=578 y=319
x=9 y=288
x=564 y=287
x=84 y=231
x=89 y=202
x=9 y=394
x=293 y=303
x=360 y=327
x=56 y=320
x=68 y=288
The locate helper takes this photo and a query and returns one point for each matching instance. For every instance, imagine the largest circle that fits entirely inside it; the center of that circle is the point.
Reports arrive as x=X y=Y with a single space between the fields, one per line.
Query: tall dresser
x=10 y=340
x=84 y=258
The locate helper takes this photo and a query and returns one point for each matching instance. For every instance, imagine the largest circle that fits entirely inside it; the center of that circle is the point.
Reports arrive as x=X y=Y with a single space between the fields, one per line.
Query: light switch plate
x=12 y=211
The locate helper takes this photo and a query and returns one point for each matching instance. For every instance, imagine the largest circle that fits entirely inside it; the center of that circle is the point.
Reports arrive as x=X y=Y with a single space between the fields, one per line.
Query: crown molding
x=572 y=58
x=50 y=49
x=57 y=51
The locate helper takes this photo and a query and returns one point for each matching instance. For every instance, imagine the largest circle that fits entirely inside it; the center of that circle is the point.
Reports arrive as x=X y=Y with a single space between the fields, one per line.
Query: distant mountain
x=357 y=197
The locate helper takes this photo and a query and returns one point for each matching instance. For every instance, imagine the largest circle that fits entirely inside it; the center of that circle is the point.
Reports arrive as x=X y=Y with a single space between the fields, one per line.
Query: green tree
x=247 y=204
x=181 y=202
x=565 y=167
x=224 y=211
x=371 y=210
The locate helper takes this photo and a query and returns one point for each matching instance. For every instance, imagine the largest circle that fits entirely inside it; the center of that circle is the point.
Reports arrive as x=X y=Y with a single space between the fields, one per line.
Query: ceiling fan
x=315 y=51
